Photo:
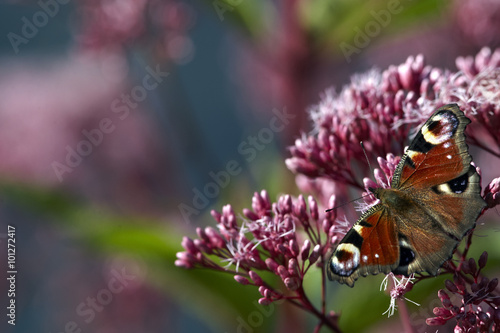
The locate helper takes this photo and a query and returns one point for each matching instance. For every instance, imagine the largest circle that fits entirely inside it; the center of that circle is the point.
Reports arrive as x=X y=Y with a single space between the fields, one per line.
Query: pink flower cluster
x=476 y=89
x=379 y=108
x=478 y=298
x=285 y=238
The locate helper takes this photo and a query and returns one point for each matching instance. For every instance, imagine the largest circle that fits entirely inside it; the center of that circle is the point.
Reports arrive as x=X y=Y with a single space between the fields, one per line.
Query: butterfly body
x=433 y=201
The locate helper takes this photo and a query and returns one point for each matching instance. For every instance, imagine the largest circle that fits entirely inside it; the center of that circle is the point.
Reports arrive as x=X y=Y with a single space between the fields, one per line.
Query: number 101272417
x=11 y=249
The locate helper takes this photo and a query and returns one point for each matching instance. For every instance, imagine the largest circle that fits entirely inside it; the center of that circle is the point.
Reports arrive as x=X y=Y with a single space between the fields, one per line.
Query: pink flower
x=492 y=193
x=478 y=308
x=267 y=238
x=397 y=291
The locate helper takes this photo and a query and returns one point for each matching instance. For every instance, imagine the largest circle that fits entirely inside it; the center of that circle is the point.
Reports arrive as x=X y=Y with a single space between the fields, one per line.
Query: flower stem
x=404 y=315
x=306 y=304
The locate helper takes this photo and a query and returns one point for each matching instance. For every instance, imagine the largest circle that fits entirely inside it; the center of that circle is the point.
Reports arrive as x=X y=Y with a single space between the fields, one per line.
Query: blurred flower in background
x=163 y=27
x=65 y=108
x=114 y=114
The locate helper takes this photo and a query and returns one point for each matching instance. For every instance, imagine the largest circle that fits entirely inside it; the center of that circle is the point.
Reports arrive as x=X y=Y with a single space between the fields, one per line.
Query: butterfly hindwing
x=366 y=248
x=434 y=200
x=456 y=204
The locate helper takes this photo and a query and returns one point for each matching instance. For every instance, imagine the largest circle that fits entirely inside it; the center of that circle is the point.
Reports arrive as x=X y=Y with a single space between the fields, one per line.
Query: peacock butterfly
x=433 y=201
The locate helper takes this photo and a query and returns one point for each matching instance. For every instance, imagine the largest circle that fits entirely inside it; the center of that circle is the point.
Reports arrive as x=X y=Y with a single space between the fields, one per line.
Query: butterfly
x=434 y=200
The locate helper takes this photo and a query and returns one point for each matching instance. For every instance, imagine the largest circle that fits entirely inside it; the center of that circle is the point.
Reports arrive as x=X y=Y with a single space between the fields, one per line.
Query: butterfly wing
x=423 y=244
x=371 y=246
x=437 y=154
x=443 y=187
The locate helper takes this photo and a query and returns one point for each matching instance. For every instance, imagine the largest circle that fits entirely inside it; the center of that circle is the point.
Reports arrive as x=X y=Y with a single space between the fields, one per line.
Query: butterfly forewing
x=437 y=154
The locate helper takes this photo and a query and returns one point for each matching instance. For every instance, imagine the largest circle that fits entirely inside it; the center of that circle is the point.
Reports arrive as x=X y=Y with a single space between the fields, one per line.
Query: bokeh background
x=110 y=215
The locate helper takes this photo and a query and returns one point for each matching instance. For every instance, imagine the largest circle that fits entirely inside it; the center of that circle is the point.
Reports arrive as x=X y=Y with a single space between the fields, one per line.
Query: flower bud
x=202 y=246
x=188 y=244
x=183 y=264
x=441 y=312
x=496 y=316
x=442 y=294
x=332 y=231
x=483 y=259
x=326 y=225
x=264 y=301
x=249 y=214
x=256 y=278
x=472 y=266
x=304 y=251
x=492 y=285
x=331 y=204
x=216 y=215
x=300 y=206
x=201 y=233
x=272 y=265
x=313 y=208
x=283 y=272
x=436 y=321
x=459 y=283
x=215 y=238
x=287 y=205
x=447 y=303
x=315 y=254
x=484 y=319
x=293 y=267
x=484 y=283
x=186 y=256
x=284 y=250
x=294 y=247
x=291 y=283
x=241 y=279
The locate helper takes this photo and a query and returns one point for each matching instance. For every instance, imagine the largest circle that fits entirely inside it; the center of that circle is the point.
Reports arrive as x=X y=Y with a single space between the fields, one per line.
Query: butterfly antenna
x=346 y=203
x=366 y=156
x=371 y=171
